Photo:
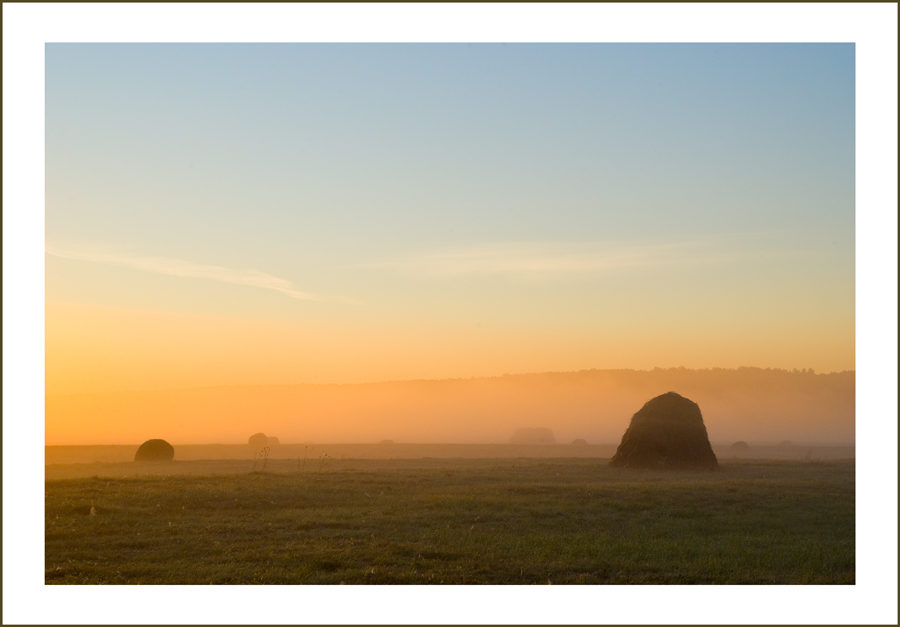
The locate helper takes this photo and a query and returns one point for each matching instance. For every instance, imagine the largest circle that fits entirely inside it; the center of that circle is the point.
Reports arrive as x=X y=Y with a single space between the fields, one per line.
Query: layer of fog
x=759 y=406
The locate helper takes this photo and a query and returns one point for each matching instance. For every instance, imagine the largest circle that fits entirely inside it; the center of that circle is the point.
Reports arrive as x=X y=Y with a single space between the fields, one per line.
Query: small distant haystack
x=273 y=441
x=155 y=451
x=579 y=441
x=740 y=447
x=667 y=433
x=258 y=440
x=532 y=436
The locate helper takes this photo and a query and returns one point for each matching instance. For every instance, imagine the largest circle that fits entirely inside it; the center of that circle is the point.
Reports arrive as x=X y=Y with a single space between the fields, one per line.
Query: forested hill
x=751 y=404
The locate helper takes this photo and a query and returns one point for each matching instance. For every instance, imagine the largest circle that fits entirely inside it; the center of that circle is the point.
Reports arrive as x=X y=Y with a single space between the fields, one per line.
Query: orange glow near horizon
x=93 y=349
x=124 y=376
x=750 y=404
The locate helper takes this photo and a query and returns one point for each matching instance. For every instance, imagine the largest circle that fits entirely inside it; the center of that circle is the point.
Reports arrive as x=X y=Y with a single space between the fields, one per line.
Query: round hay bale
x=740 y=447
x=155 y=451
x=579 y=441
x=667 y=433
x=258 y=440
x=273 y=441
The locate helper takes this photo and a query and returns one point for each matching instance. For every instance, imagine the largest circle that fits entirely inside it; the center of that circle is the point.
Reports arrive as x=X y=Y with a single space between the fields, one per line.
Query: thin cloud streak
x=545 y=259
x=178 y=267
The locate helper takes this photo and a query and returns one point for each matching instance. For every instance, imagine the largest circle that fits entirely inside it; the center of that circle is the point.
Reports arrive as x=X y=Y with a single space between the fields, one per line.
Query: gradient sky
x=318 y=213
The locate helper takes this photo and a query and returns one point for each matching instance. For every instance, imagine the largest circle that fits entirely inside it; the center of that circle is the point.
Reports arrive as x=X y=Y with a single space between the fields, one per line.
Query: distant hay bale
x=258 y=440
x=579 y=441
x=273 y=441
x=532 y=436
x=155 y=451
x=740 y=447
x=667 y=433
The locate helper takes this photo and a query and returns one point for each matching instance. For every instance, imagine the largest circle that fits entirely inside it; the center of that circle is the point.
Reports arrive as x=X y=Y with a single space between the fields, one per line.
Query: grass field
x=449 y=521
x=462 y=521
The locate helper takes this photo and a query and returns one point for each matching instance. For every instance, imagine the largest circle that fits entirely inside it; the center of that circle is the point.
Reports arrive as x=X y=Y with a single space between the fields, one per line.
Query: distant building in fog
x=532 y=436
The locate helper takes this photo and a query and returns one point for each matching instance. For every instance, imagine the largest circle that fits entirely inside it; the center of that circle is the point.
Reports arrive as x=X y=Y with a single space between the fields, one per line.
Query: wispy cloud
x=537 y=259
x=178 y=267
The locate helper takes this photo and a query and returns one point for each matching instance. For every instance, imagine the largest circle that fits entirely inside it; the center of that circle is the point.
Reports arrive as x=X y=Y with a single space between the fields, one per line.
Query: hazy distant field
x=449 y=520
x=56 y=455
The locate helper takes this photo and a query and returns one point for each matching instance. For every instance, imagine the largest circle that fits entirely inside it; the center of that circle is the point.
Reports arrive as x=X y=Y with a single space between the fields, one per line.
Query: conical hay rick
x=667 y=433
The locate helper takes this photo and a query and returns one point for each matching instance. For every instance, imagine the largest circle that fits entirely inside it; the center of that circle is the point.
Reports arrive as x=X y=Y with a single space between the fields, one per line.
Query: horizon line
x=804 y=371
x=766 y=444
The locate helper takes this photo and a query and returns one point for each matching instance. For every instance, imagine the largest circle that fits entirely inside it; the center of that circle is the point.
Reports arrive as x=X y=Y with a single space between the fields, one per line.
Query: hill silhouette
x=749 y=404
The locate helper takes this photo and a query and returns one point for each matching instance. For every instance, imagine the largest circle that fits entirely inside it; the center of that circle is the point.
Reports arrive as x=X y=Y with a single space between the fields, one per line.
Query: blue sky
x=561 y=189
x=444 y=143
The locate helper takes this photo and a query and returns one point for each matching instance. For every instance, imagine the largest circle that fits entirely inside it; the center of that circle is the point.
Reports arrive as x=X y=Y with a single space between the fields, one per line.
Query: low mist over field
x=750 y=404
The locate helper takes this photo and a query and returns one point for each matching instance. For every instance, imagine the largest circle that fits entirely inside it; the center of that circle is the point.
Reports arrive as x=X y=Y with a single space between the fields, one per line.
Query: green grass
x=526 y=521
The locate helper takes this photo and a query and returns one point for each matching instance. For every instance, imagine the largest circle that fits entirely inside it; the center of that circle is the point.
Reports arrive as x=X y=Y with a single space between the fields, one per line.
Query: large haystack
x=155 y=451
x=667 y=433
x=258 y=440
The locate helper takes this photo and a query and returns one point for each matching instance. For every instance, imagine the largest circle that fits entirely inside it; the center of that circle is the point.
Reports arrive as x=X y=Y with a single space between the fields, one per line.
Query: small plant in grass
x=305 y=454
x=262 y=455
x=322 y=461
